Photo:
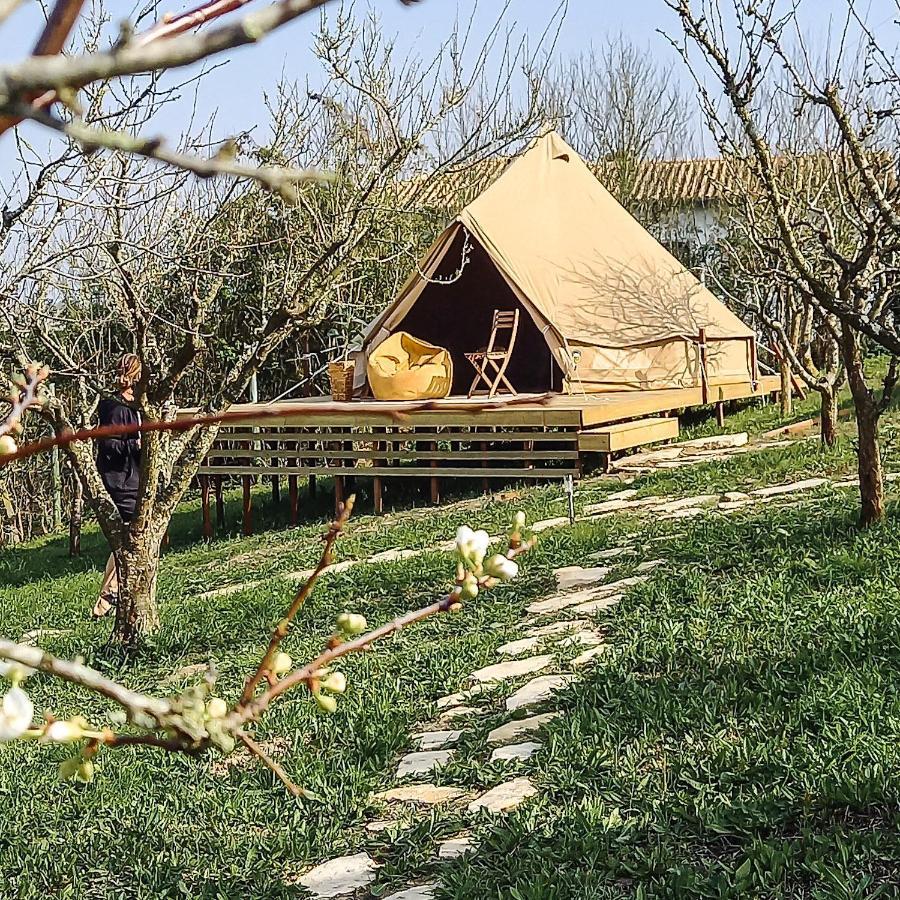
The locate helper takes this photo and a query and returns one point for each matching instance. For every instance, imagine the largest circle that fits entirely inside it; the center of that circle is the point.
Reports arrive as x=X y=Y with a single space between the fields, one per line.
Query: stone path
x=530 y=672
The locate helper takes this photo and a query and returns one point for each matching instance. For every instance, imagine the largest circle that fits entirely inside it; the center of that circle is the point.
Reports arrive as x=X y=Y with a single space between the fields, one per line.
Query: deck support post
x=294 y=494
x=378 y=494
x=720 y=414
x=204 y=502
x=247 y=505
x=435 y=481
x=220 y=503
x=381 y=447
x=276 y=486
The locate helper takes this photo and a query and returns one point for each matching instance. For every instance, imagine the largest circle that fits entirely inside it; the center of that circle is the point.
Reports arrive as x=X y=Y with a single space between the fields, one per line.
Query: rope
x=464 y=261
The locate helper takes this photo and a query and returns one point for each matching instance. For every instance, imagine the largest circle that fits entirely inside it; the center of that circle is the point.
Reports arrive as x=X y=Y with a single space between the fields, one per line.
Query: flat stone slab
x=570 y=577
x=512 y=752
x=422 y=762
x=687 y=502
x=426 y=794
x=558 y=627
x=608 y=507
x=458 y=698
x=393 y=556
x=581 y=639
x=588 y=655
x=508 y=732
x=730 y=506
x=515 y=668
x=537 y=691
x=545 y=524
x=457 y=712
x=559 y=602
x=186 y=672
x=504 y=797
x=381 y=825
x=514 y=648
x=435 y=740
x=734 y=496
x=626 y=494
x=689 y=513
x=455 y=847
x=650 y=565
x=229 y=589
x=715 y=442
x=421 y=892
x=611 y=553
x=36 y=635
x=601 y=604
x=778 y=489
x=340 y=876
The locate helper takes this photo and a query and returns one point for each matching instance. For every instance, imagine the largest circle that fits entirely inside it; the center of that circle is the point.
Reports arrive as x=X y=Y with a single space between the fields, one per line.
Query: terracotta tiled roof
x=671 y=182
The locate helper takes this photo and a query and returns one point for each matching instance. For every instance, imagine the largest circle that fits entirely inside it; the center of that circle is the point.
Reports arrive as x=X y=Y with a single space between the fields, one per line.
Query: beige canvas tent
x=606 y=307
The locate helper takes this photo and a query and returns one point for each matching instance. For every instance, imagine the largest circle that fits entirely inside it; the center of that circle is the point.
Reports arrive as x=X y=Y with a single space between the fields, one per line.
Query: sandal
x=104 y=605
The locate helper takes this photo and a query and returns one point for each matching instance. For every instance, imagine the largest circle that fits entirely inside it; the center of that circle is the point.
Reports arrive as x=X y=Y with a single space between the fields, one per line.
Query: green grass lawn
x=741 y=739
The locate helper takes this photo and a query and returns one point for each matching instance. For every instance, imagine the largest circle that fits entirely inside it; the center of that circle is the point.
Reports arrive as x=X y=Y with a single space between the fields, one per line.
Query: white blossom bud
x=216 y=708
x=282 y=664
x=62 y=732
x=472 y=545
x=14 y=671
x=352 y=623
x=16 y=713
x=326 y=702
x=469 y=587
x=501 y=567
x=336 y=682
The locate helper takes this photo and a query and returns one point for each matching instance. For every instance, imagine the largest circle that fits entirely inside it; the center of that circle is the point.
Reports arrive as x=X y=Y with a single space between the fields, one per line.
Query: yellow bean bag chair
x=405 y=368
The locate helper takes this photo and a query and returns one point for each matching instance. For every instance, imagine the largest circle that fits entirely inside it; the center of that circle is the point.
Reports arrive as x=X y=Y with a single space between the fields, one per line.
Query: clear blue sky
x=234 y=92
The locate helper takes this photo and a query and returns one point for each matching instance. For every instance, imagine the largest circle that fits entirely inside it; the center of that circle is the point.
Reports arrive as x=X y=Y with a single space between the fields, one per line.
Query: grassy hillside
x=739 y=738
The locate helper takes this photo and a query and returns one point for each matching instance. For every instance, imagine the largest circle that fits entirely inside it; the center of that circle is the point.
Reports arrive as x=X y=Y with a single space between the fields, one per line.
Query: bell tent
x=604 y=306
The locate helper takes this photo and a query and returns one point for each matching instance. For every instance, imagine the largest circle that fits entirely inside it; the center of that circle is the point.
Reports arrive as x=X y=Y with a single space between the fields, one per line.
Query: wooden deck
x=533 y=438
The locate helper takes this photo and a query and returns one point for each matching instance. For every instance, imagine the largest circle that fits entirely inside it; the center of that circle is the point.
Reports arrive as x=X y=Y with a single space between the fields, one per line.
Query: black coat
x=119 y=458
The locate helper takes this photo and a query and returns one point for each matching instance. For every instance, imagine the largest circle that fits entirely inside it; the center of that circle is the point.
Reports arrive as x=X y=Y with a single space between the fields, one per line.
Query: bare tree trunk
x=787 y=395
x=137 y=562
x=76 y=514
x=871 y=481
x=828 y=416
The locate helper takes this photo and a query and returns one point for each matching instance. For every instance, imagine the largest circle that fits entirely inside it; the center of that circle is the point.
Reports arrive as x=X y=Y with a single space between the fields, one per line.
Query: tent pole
x=704 y=381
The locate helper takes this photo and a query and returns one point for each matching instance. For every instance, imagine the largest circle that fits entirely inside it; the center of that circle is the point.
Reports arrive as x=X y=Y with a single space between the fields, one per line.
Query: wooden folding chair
x=490 y=364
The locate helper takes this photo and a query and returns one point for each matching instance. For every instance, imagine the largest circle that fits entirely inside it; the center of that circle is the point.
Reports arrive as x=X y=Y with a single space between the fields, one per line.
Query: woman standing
x=119 y=464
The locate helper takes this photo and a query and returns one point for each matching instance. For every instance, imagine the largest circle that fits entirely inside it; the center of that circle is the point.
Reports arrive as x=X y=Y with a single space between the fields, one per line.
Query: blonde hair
x=128 y=370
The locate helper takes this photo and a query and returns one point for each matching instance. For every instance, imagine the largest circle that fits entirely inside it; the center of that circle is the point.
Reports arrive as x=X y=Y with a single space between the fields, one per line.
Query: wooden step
x=624 y=435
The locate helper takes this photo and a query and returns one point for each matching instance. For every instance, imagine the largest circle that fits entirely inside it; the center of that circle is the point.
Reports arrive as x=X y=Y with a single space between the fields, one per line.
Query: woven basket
x=341 y=376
